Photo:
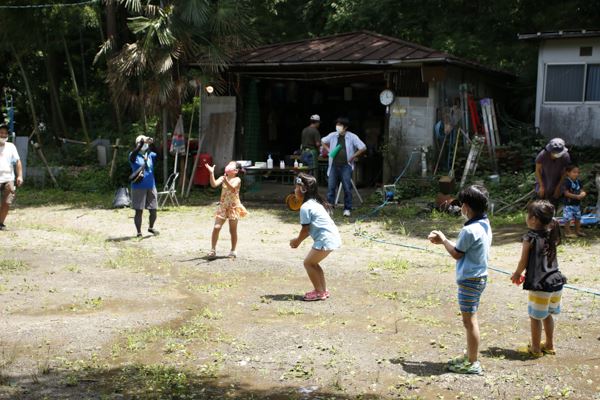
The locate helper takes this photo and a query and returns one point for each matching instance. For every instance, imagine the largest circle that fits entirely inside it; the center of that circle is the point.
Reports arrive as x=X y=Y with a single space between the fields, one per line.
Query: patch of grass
x=511 y=219
x=282 y=311
x=194 y=329
x=208 y=314
x=89 y=304
x=32 y=197
x=396 y=265
x=299 y=371
x=11 y=266
x=132 y=258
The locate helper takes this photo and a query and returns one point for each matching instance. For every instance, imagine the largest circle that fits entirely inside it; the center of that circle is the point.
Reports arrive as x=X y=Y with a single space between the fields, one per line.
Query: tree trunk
x=58 y=117
x=76 y=89
x=165 y=114
x=29 y=94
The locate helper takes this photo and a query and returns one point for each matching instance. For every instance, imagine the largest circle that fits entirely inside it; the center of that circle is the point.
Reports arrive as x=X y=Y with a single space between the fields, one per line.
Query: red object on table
x=202 y=176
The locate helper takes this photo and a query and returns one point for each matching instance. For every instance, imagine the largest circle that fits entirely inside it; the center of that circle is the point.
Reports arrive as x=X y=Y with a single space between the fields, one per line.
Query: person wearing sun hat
x=550 y=167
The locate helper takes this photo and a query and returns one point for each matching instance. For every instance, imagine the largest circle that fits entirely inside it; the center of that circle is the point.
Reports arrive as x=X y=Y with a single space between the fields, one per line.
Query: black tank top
x=542 y=273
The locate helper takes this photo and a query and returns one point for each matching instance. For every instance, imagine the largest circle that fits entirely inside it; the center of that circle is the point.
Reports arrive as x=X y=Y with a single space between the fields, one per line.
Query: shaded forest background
x=114 y=67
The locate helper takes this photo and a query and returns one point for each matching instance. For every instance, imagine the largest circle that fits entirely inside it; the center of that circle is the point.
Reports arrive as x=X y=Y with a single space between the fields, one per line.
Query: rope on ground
x=375 y=210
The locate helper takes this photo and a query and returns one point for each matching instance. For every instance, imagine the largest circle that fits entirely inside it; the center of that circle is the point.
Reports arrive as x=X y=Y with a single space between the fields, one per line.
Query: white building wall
x=577 y=122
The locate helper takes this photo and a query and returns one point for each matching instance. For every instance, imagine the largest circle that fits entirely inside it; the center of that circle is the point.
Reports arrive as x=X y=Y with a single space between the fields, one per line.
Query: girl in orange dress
x=230 y=208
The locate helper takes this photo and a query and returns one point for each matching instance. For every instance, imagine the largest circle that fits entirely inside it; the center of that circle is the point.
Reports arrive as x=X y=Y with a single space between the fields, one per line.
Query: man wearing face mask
x=9 y=161
x=550 y=165
x=343 y=147
x=143 y=193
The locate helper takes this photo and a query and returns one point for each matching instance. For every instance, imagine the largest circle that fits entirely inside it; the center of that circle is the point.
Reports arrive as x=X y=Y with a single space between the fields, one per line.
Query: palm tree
x=151 y=73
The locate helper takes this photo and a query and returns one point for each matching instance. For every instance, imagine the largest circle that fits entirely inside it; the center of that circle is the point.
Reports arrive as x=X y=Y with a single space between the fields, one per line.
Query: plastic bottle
x=269 y=162
x=295 y=163
x=282 y=164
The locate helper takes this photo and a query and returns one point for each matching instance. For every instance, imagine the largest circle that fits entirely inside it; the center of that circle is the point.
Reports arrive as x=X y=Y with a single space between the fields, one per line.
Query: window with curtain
x=592 y=90
x=564 y=82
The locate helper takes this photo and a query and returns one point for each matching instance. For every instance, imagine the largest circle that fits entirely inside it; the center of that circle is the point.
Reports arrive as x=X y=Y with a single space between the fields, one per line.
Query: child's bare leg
x=578 y=228
x=568 y=228
x=549 y=330
x=314 y=270
x=321 y=277
x=215 y=233
x=472 y=327
x=536 y=335
x=233 y=232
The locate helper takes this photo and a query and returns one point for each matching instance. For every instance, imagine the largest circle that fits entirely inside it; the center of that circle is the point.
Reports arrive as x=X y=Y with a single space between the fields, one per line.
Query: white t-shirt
x=8 y=158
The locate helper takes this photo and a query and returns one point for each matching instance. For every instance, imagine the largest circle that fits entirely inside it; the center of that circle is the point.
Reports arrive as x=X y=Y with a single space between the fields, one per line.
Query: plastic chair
x=170 y=191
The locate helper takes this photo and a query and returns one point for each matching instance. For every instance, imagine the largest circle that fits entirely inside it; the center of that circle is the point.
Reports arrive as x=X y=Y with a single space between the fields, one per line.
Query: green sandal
x=550 y=352
x=466 y=368
x=458 y=360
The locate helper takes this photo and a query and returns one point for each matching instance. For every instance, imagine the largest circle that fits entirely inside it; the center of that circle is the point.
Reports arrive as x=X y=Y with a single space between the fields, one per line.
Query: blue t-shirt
x=148 y=182
x=322 y=228
x=574 y=187
x=474 y=241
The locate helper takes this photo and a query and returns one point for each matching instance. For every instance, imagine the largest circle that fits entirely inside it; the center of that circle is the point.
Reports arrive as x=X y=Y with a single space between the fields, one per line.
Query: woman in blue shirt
x=143 y=190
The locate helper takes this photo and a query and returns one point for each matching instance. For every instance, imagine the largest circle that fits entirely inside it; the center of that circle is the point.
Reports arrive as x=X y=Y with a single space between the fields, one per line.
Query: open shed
x=279 y=86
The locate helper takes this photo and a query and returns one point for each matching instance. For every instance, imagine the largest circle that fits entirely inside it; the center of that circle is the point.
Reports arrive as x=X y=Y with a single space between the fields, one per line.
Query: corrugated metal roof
x=563 y=34
x=353 y=48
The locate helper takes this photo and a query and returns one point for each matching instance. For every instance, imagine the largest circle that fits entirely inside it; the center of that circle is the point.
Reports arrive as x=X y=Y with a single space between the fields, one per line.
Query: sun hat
x=557 y=147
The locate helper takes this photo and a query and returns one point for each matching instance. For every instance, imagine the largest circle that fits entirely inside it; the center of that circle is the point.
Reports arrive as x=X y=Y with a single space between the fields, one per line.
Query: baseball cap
x=557 y=147
x=315 y=117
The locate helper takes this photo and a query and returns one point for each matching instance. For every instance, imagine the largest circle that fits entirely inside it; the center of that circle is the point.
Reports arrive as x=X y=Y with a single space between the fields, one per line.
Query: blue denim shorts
x=469 y=293
x=571 y=213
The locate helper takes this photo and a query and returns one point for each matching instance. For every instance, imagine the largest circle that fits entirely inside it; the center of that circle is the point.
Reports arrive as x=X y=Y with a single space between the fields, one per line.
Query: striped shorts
x=469 y=292
x=542 y=304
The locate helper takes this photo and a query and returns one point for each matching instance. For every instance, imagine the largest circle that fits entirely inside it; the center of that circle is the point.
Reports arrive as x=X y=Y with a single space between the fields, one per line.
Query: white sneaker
x=346 y=213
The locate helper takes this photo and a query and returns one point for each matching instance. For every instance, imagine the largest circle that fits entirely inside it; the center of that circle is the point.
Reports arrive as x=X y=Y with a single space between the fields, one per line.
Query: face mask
x=3 y=140
x=145 y=147
x=339 y=128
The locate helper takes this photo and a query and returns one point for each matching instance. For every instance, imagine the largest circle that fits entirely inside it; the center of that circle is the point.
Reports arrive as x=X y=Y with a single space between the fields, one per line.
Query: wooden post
x=38 y=148
x=113 y=164
x=200 y=88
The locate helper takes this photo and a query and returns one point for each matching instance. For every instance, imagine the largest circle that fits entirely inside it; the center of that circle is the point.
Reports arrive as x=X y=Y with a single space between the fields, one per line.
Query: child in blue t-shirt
x=471 y=253
x=316 y=223
x=572 y=199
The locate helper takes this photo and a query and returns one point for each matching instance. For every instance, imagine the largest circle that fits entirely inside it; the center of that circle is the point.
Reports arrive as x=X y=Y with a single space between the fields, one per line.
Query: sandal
x=533 y=353
x=212 y=254
x=232 y=254
x=550 y=352
x=315 y=296
x=466 y=367
x=458 y=360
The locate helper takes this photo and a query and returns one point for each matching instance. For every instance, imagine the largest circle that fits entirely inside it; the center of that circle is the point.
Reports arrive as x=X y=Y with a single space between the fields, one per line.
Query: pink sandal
x=315 y=296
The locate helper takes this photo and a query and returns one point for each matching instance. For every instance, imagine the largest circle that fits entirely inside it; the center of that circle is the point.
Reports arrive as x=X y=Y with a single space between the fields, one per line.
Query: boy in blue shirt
x=572 y=199
x=471 y=253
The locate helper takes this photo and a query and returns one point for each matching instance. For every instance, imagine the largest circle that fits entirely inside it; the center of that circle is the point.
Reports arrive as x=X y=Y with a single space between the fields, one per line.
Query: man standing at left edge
x=9 y=161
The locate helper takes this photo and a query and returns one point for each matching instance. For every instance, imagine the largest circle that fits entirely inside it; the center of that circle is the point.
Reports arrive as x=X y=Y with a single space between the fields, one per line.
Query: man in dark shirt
x=311 y=141
x=550 y=166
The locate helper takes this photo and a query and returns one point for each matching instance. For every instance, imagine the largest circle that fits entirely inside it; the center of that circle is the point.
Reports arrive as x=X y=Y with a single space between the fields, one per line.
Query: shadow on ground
x=283 y=297
x=145 y=382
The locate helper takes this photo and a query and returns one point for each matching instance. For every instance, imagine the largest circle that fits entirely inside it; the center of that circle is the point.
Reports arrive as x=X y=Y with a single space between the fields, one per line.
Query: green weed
x=11 y=266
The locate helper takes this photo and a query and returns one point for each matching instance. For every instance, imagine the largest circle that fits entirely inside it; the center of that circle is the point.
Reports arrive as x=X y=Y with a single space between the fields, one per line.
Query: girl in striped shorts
x=542 y=277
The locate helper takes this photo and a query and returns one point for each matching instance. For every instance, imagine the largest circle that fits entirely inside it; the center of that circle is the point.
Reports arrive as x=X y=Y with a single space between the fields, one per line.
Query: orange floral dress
x=230 y=206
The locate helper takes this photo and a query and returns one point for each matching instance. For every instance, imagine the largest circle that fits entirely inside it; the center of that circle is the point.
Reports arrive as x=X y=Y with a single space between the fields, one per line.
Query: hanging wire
x=83 y=3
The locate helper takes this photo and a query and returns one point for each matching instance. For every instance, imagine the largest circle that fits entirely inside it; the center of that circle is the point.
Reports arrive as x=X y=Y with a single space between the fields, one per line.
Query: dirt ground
x=89 y=312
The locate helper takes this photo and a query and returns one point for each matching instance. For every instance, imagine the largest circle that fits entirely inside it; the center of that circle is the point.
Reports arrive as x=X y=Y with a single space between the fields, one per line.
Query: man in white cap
x=9 y=162
x=311 y=141
x=550 y=165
